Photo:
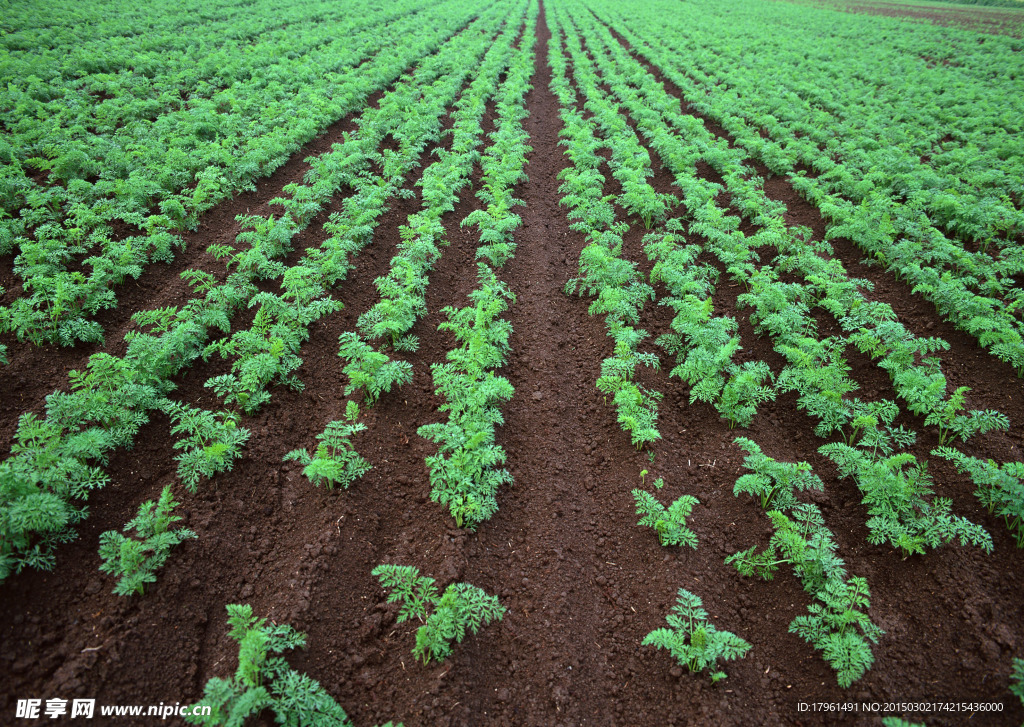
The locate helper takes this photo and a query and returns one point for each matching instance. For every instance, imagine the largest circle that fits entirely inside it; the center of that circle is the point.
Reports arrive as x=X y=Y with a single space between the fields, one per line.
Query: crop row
x=816 y=368
x=170 y=157
x=895 y=485
x=945 y=180
x=57 y=459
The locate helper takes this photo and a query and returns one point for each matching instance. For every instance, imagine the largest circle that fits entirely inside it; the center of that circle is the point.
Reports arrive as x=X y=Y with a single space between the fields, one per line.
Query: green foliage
x=111 y=394
x=703 y=344
x=461 y=607
x=619 y=290
x=42 y=483
x=135 y=560
x=802 y=541
x=704 y=347
x=496 y=225
x=918 y=198
x=181 y=129
x=415 y=592
x=264 y=680
x=818 y=372
x=3 y=348
x=930 y=209
x=479 y=328
x=637 y=405
x=1000 y=488
x=744 y=391
x=446 y=617
x=212 y=443
x=870 y=427
x=39 y=487
x=953 y=424
x=267 y=353
x=916 y=374
x=465 y=473
x=335 y=460
x=54 y=460
x=403 y=289
x=839 y=627
x=837 y=623
x=1017 y=679
x=693 y=640
x=895 y=490
x=775 y=483
x=370 y=369
x=899 y=721
x=670 y=524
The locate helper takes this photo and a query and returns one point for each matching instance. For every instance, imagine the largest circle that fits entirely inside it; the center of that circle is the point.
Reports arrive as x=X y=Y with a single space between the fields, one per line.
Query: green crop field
x=465 y=362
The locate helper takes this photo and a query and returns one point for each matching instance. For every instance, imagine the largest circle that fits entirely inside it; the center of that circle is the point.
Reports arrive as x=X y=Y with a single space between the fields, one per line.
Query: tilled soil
x=984 y=19
x=583 y=584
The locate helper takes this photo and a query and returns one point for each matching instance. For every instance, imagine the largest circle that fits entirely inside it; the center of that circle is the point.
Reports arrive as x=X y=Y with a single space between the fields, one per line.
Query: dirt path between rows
x=583 y=583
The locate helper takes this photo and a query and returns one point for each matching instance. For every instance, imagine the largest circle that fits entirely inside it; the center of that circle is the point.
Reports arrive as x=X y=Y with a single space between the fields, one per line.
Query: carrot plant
x=265 y=681
x=839 y=627
x=446 y=617
x=369 y=369
x=164 y=159
x=335 y=460
x=1017 y=679
x=669 y=523
x=774 y=483
x=837 y=623
x=1000 y=488
x=134 y=560
x=693 y=640
x=800 y=540
x=951 y=423
x=467 y=471
x=212 y=443
x=619 y=290
x=895 y=489
x=56 y=461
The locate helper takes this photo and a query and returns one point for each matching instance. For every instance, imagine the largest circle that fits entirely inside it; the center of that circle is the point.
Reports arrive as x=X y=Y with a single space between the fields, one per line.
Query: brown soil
x=984 y=19
x=582 y=582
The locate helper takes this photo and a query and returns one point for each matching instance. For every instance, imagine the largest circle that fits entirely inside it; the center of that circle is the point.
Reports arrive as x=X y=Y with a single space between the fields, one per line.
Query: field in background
x=1003 y=17
x=475 y=287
